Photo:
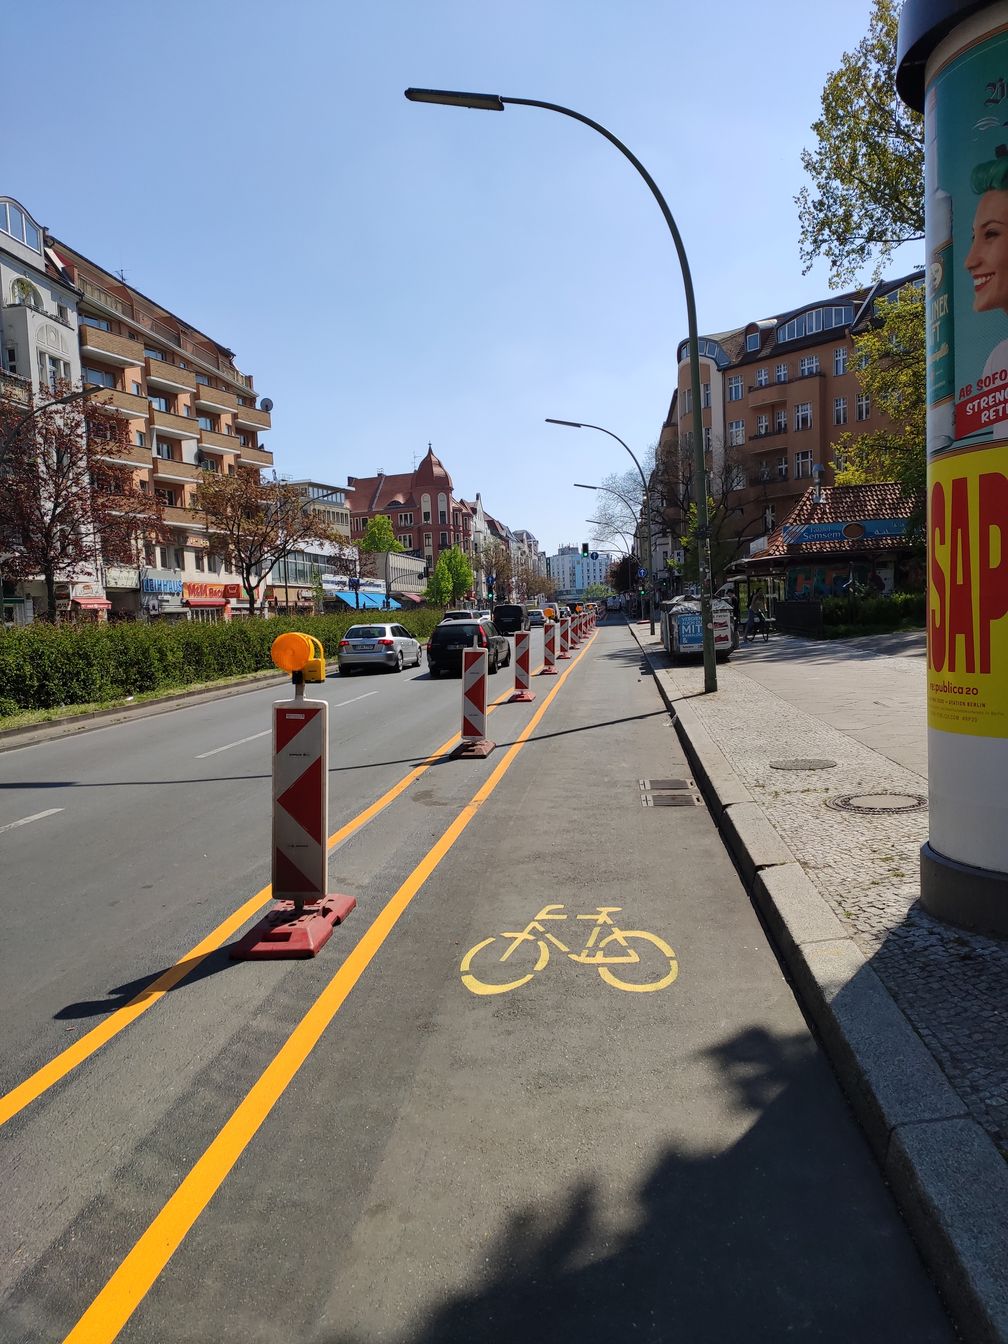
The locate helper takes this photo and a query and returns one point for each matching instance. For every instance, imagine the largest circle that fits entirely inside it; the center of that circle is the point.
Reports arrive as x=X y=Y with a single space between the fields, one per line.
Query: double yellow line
x=112 y=1308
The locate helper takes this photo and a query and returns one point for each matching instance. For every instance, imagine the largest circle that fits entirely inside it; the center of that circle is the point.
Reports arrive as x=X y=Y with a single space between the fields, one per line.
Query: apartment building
x=574 y=573
x=426 y=516
x=776 y=394
x=190 y=411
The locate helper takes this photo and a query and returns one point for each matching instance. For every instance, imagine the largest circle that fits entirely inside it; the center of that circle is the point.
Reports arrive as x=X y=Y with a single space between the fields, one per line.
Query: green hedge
x=883 y=613
x=44 y=666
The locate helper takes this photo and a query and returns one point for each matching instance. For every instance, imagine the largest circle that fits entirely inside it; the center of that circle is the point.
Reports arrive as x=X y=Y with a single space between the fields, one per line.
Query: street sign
x=594 y=555
x=641 y=572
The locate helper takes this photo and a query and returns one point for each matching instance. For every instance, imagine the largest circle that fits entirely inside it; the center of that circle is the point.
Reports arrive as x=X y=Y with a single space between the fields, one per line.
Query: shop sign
x=305 y=595
x=224 y=591
x=86 y=590
x=797 y=534
x=197 y=541
x=170 y=587
x=121 y=576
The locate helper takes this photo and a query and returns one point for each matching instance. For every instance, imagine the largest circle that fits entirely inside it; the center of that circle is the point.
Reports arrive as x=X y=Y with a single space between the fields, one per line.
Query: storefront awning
x=89 y=603
x=204 y=602
x=379 y=602
x=411 y=597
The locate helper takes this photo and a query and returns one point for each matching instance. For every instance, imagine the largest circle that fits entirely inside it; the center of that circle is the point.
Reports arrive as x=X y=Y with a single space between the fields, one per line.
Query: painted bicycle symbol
x=658 y=962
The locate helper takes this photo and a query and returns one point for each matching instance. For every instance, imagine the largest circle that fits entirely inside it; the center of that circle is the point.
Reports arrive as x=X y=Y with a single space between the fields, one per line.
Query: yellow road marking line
x=92 y=1041
x=111 y=1309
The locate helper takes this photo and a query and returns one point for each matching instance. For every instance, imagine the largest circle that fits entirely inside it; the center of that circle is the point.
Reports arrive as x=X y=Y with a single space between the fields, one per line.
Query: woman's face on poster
x=987 y=259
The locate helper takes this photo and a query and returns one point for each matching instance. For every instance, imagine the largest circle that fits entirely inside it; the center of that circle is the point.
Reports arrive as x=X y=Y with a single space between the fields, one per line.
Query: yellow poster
x=968 y=592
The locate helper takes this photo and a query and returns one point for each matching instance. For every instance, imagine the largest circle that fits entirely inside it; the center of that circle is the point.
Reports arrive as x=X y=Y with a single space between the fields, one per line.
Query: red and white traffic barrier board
x=522 y=691
x=564 y=637
x=474 y=705
x=549 y=668
x=302 y=921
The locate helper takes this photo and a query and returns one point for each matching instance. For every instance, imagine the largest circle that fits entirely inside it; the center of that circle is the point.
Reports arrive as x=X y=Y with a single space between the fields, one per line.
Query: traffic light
x=584 y=548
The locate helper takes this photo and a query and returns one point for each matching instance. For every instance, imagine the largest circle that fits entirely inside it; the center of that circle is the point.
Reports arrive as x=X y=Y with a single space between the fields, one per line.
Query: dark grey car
x=444 y=651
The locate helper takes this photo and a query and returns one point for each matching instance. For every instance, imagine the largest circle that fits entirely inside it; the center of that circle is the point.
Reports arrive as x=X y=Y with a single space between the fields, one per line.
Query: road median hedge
x=45 y=666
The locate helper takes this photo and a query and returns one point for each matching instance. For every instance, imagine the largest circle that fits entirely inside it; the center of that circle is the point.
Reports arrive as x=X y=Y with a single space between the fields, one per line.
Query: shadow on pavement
x=121 y=995
x=774 y=1238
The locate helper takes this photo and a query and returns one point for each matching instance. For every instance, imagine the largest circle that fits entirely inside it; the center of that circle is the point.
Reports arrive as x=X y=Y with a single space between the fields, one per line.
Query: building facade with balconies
x=190 y=411
x=777 y=394
x=426 y=516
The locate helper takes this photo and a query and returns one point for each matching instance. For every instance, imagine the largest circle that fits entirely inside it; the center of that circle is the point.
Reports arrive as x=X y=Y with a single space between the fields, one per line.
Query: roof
x=838 y=507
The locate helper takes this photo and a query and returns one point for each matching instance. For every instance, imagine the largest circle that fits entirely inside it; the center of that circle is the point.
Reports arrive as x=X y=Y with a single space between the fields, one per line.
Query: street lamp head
x=484 y=102
x=571 y=424
x=578 y=486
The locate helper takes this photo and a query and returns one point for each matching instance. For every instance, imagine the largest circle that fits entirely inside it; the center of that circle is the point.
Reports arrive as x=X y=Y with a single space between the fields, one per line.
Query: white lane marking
x=266 y=731
x=35 y=816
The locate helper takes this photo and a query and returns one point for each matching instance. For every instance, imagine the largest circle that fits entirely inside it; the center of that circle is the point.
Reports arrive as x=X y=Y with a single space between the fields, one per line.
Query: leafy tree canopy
x=378 y=536
x=439 y=586
x=459 y=571
x=866 y=194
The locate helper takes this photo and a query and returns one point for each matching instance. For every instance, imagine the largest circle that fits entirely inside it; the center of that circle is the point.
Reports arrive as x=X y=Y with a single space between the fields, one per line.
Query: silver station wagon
x=390 y=646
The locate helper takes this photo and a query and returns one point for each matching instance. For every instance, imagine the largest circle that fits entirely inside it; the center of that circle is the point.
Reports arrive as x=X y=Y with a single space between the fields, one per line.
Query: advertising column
x=953 y=67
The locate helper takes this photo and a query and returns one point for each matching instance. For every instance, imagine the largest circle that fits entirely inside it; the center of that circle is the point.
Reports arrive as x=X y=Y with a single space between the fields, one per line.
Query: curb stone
x=947 y=1177
x=11 y=738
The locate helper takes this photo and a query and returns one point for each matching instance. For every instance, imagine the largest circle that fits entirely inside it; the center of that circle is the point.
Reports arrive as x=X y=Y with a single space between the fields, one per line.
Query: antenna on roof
x=121 y=274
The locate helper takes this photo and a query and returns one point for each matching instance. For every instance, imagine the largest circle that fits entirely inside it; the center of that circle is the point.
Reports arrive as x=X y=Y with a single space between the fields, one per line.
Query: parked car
x=390 y=646
x=463 y=614
x=444 y=651
x=509 y=617
x=536 y=616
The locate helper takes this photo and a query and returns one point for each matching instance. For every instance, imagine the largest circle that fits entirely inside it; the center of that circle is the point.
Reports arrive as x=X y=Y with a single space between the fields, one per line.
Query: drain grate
x=805 y=763
x=668 y=793
x=878 y=804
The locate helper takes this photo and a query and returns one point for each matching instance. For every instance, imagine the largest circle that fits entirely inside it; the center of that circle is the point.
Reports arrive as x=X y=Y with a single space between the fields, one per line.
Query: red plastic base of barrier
x=548 y=671
x=476 y=746
x=284 y=933
x=562 y=655
x=522 y=697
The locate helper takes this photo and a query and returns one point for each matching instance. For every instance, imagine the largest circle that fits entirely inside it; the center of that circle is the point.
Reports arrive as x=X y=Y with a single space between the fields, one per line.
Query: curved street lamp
x=495 y=102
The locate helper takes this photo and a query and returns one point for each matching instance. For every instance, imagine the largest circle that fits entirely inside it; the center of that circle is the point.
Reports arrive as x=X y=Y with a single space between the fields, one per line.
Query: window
x=803 y=464
x=23 y=291
x=707 y=438
x=207 y=422
x=162 y=449
x=152 y=353
x=752 y=342
x=99 y=323
x=167 y=498
x=150 y=557
x=705 y=394
x=428 y=537
x=863 y=406
x=862 y=361
x=736 y=433
x=442 y=515
x=770 y=517
x=244 y=440
x=782 y=467
x=840 y=360
x=764 y=473
x=100 y=377
x=735 y=387
x=803 y=415
x=762 y=424
x=762 y=377
x=816 y=319
x=52 y=370
x=17 y=225
x=203 y=379
x=406 y=520
x=780 y=373
x=839 y=462
x=687 y=401
x=158 y=403
x=780 y=420
x=12 y=359
x=808 y=365
x=141 y=438
x=443 y=540
x=839 y=410
x=63 y=312
x=406 y=540
x=426 y=515
x=199 y=561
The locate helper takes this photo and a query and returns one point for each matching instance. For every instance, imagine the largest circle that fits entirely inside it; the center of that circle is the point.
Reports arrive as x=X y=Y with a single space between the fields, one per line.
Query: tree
x=63 y=506
x=598 y=591
x=379 y=537
x=439 y=586
x=623 y=574
x=867 y=171
x=259 y=523
x=728 y=530
x=496 y=561
x=894 y=359
x=459 y=571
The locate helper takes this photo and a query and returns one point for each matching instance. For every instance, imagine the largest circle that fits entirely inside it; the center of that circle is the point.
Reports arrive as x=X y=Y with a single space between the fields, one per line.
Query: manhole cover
x=663 y=784
x=804 y=763
x=877 y=804
x=668 y=800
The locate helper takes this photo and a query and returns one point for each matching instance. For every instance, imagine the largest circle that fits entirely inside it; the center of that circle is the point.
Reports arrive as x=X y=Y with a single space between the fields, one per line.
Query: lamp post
x=494 y=102
x=577 y=424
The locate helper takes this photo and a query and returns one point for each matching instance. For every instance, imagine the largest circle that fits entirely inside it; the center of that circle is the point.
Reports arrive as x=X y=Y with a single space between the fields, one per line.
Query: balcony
x=176 y=517
x=768 y=396
x=166 y=469
x=123 y=403
x=15 y=388
x=213 y=399
x=220 y=443
x=108 y=348
x=174 y=426
x=162 y=374
x=130 y=456
x=251 y=418
x=255 y=457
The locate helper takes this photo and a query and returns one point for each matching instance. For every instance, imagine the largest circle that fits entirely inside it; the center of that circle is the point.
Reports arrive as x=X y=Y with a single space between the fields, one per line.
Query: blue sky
x=394 y=273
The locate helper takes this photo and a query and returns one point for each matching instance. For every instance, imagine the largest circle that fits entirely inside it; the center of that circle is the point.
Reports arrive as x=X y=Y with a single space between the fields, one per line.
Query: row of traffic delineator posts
x=559 y=637
x=302 y=919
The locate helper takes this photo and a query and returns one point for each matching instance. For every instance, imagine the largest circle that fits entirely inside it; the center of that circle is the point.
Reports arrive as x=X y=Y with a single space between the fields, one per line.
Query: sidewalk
x=913 y=1014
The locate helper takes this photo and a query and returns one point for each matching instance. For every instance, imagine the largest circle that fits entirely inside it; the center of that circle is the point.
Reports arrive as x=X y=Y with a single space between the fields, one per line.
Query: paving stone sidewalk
x=951 y=986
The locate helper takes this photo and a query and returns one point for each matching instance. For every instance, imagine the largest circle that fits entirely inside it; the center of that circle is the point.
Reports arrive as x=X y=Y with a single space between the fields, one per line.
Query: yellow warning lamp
x=301 y=655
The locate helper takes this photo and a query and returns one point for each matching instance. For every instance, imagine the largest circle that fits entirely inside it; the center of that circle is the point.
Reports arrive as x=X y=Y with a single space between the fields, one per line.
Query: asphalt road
x=370 y=1146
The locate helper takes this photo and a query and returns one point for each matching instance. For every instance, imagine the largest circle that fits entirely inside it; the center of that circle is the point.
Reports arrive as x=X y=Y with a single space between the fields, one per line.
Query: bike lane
x=568 y=1159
